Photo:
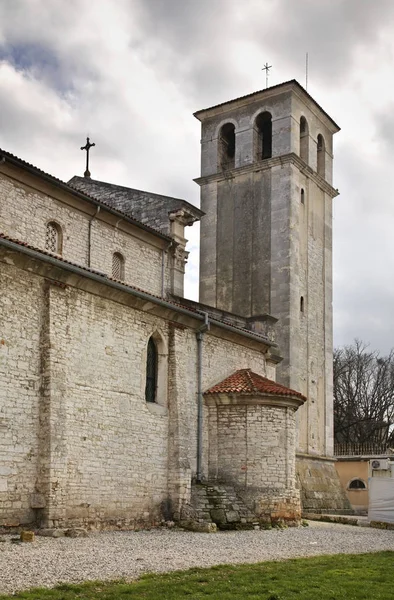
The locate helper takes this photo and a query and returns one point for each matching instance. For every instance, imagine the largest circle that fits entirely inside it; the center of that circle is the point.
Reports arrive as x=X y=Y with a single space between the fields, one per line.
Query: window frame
x=304 y=139
x=59 y=237
x=357 y=489
x=263 y=135
x=160 y=404
x=121 y=266
x=226 y=160
x=151 y=371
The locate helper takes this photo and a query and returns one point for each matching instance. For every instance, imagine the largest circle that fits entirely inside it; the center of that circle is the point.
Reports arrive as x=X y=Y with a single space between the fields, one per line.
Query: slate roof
x=149 y=208
x=245 y=381
x=7 y=156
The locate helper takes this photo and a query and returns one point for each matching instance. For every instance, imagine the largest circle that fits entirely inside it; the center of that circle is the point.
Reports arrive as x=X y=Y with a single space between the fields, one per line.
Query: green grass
x=340 y=577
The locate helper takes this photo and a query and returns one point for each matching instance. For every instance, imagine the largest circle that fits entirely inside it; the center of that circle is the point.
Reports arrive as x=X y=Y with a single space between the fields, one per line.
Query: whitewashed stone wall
x=252 y=447
x=20 y=378
x=25 y=212
x=78 y=432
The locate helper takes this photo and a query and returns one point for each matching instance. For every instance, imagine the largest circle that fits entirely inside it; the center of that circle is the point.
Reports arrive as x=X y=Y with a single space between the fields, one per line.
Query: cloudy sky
x=130 y=73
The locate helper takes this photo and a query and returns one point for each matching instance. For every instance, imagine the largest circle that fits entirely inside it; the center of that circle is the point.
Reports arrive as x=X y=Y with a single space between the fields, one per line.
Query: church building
x=123 y=404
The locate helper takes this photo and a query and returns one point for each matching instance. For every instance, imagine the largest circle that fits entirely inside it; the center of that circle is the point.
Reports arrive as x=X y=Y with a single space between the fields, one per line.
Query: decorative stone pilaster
x=179 y=468
x=179 y=221
x=52 y=447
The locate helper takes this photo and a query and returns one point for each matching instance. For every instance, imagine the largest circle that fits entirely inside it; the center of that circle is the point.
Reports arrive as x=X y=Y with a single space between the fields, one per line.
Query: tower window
x=53 y=238
x=302 y=196
x=227 y=146
x=304 y=140
x=264 y=136
x=321 y=156
x=151 y=371
x=302 y=304
x=118 y=266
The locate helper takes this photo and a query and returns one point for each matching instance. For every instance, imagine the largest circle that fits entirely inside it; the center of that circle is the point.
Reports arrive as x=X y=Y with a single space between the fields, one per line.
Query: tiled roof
x=246 y=381
x=185 y=308
x=82 y=194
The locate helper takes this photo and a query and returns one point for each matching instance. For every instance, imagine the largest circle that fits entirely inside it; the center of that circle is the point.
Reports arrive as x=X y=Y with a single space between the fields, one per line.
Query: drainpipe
x=200 y=338
x=90 y=234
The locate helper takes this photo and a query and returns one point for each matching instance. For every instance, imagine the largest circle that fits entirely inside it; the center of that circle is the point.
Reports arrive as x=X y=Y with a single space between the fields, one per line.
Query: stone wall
x=21 y=305
x=80 y=445
x=252 y=447
x=25 y=212
x=319 y=485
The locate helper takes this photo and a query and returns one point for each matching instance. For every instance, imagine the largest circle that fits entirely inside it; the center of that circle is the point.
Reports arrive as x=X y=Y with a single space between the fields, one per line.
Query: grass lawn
x=350 y=577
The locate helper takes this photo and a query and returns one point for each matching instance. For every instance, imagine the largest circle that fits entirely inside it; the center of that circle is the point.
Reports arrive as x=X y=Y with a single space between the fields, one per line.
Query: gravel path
x=49 y=561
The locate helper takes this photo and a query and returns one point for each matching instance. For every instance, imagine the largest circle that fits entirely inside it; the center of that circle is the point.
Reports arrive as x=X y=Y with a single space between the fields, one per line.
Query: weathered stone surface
x=76 y=533
x=27 y=536
x=232 y=516
x=199 y=527
x=319 y=485
x=55 y=533
x=37 y=501
x=218 y=516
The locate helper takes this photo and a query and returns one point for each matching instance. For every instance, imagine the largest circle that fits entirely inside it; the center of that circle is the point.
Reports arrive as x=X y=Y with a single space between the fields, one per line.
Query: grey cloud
x=332 y=31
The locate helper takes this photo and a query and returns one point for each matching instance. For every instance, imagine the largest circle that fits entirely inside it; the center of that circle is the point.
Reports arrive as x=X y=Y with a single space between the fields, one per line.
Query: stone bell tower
x=266 y=241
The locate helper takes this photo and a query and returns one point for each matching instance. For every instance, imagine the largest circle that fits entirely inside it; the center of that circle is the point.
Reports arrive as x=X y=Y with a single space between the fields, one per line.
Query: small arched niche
x=263 y=136
x=226 y=147
x=304 y=139
x=321 y=156
x=357 y=484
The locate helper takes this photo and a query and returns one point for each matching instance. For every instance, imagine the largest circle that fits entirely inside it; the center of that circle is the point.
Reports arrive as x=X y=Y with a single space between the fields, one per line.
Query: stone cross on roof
x=266 y=68
x=87 y=147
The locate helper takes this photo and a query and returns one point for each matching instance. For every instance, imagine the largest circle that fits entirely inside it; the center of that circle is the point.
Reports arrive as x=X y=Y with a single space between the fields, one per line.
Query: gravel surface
x=116 y=555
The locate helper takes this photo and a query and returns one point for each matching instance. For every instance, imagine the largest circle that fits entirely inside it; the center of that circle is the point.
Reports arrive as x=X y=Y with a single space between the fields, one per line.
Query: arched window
x=357 y=484
x=302 y=196
x=321 y=155
x=304 y=140
x=118 y=266
x=226 y=140
x=53 y=238
x=264 y=136
x=151 y=371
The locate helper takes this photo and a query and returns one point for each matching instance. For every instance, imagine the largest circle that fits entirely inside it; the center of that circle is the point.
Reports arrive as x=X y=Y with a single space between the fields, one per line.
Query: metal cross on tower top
x=266 y=68
x=87 y=147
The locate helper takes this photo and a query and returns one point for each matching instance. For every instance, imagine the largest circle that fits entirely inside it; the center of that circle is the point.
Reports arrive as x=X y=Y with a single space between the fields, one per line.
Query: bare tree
x=363 y=395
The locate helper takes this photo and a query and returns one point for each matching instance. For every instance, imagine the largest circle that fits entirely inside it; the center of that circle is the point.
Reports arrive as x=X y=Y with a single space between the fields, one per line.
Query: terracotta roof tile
x=245 y=381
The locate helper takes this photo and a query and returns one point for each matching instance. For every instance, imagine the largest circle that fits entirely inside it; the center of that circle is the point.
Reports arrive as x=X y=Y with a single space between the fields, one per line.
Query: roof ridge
x=249 y=376
x=247 y=382
x=125 y=187
x=73 y=190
